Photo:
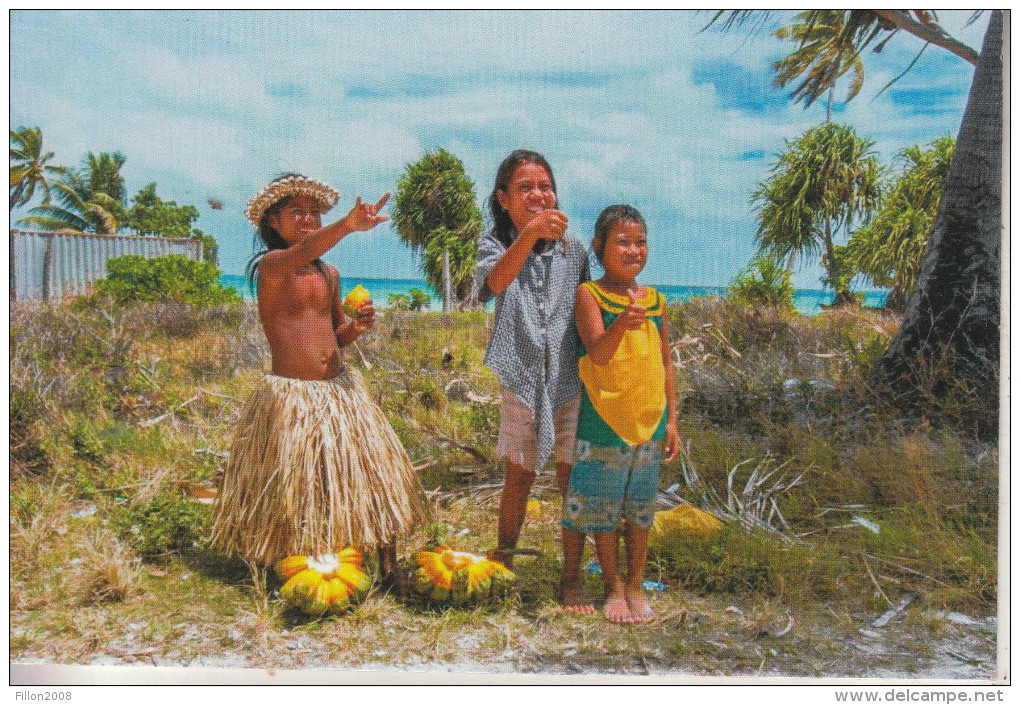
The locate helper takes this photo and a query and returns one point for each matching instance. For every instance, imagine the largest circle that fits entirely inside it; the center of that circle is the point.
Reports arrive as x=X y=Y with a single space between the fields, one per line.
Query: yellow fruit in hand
x=358 y=296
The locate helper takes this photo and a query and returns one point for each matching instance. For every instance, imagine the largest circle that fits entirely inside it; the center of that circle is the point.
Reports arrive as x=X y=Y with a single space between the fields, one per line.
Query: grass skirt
x=314 y=466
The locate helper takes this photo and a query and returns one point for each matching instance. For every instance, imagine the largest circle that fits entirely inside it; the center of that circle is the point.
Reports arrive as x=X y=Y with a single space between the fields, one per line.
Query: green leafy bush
x=166 y=523
x=398 y=302
x=168 y=278
x=419 y=300
x=765 y=282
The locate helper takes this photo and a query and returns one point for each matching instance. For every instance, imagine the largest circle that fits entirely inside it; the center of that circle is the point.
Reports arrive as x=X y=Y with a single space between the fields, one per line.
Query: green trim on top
x=616 y=303
x=591 y=427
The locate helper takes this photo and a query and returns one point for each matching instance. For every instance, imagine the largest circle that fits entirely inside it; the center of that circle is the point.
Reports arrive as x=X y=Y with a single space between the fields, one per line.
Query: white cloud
x=218 y=102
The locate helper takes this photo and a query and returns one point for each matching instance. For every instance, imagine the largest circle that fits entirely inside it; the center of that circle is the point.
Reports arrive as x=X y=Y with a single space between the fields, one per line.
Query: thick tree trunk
x=950 y=330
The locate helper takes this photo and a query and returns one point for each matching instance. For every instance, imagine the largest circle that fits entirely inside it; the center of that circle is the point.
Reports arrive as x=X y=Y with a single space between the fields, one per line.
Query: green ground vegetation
x=121 y=417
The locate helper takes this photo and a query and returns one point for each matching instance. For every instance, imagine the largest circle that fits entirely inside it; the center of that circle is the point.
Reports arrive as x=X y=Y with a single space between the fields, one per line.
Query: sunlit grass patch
x=117 y=414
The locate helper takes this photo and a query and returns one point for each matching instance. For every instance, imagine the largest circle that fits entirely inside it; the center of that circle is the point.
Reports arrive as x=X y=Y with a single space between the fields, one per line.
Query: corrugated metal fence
x=47 y=265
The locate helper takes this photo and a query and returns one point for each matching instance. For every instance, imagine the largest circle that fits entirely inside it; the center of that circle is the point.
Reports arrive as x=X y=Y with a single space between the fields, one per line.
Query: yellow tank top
x=628 y=394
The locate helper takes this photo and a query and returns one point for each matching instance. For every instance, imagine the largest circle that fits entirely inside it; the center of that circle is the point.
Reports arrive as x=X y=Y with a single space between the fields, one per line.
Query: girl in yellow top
x=628 y=420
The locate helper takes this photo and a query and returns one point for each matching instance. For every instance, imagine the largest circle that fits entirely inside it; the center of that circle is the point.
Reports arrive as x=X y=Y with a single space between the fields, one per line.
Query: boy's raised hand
x=364 y=216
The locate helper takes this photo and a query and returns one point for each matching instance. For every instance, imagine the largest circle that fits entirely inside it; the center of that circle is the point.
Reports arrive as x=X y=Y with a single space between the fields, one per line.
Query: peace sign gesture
x=364 y=216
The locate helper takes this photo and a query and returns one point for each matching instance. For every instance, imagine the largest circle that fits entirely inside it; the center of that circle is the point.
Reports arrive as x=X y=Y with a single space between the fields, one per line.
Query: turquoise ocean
x=806 y=301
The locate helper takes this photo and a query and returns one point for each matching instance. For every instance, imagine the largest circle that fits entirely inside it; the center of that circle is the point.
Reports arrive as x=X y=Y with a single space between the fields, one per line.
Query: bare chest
x=305 y=292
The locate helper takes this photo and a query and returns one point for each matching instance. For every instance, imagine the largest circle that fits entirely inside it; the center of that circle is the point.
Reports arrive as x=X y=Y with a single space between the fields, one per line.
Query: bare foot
x=572 y=597
x=502 y=555
x=639 y=608
x=616 y=608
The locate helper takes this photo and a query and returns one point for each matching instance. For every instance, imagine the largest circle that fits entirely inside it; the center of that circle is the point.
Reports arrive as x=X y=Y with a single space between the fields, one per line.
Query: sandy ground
x=963 y=651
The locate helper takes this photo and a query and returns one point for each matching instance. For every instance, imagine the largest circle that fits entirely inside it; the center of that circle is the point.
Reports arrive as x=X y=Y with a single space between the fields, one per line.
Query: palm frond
x=739 y=18
x=903 y=73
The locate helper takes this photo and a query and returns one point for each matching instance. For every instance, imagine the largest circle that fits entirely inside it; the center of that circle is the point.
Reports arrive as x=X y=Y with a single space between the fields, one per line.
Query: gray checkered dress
x=534 y=343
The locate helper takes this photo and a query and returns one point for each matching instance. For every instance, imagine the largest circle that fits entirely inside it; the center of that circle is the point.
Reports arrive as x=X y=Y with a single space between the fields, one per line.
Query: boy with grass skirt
x=314 y=465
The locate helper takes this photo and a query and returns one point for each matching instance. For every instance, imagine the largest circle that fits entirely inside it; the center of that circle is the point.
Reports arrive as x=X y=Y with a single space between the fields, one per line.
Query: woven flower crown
x=324 y=194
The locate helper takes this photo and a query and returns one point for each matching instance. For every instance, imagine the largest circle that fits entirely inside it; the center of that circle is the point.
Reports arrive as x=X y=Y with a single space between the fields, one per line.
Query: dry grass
x=108 y=571
x=120 y=410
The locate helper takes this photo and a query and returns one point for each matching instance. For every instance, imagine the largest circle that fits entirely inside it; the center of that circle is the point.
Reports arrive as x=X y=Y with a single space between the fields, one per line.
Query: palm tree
x=102 y=175
x=99 y=214
x=29 y=167
x=864 y=27
x=91 y=198
x=825 y=55
x=952 y=316
x=821 y=185
x=889 y=249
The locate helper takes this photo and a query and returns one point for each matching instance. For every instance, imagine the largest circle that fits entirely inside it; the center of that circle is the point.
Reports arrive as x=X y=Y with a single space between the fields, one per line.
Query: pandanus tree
x=435 y=213
x=29 y=168
x=889 y=249
x=818 y=188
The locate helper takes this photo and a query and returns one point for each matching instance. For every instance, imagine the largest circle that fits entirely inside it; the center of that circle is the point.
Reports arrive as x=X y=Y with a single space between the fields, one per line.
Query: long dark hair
x=274 y=241
x=501 y=223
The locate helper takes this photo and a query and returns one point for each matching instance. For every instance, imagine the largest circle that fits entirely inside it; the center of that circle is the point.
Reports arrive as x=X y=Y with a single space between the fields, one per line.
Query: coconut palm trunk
x=951 y=323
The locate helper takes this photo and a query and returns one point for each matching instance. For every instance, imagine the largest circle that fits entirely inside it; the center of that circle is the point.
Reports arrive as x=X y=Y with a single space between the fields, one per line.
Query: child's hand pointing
x=364 y=216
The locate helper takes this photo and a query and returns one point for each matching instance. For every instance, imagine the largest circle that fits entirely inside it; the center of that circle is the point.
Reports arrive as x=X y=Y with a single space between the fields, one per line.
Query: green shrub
x=398 y=302
x=168 y=278
x=166 y=523
x=419 y=300
x=765 y=282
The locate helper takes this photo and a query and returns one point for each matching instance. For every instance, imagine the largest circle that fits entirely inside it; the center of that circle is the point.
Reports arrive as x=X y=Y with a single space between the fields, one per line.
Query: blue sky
x=628 y=107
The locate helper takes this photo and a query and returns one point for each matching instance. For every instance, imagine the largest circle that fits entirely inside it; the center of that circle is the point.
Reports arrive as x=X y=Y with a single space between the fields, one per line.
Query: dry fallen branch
x=895 y=612
x=755 y=506
x=150 y=422
x=877 y=586
x=470 y=450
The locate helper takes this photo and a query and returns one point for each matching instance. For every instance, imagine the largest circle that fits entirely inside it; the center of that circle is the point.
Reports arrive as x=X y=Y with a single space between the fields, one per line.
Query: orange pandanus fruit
x=328 y=583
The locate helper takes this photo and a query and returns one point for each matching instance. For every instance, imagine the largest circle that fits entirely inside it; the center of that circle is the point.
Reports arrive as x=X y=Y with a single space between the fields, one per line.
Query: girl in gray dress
x=532 y=266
